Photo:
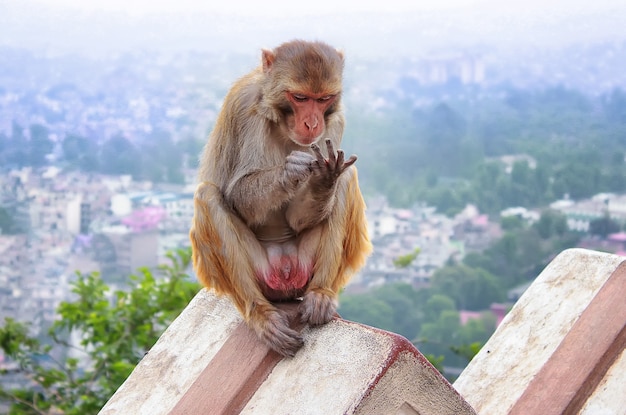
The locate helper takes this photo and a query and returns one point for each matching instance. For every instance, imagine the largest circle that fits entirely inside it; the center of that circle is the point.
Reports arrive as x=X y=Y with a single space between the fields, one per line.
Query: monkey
x=278 y=212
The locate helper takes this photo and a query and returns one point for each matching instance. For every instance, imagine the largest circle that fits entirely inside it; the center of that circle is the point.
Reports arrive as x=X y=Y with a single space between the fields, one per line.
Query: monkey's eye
x=299 y=98
x=325 y=99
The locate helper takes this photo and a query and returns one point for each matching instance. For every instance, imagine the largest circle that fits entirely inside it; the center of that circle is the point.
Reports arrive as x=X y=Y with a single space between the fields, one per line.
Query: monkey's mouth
x=305 y=141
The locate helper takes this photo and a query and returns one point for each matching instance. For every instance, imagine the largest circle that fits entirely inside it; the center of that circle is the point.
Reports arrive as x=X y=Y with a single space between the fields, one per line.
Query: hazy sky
x=301 y=8
x=392 y=27
x=256 y=7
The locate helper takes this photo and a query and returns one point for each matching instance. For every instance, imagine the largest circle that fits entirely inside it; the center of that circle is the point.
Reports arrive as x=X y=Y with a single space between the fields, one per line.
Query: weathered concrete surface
x=348 y=368
x=610 y=395
x=343 y=368
x=535 y=339
x=176 y=360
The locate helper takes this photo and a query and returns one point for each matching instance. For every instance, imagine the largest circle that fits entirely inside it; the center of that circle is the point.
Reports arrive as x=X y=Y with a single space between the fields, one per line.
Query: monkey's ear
x=267 y=58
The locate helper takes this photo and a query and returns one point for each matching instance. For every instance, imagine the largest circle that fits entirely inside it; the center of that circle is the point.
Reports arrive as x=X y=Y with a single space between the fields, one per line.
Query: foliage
x=81 y=153
x=449 y=153
x=551 y=224
x=367 y=309
x=113 y=330
x=510 y=223
x=120 y=156
x=404 y=261
x=446 y=153
x=162 y=159
x=7 y=224
x=457 y=343
x=519 y=255
x=470 y=288
x=436 y=361
x=603 y=226
x=467 y=351
x=392 y=307
x=431 y=316
x=39 y=145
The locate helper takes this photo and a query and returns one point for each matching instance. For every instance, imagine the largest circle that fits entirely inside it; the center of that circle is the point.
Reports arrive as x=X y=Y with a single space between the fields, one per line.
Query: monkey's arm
x=258 y=193
x=344 y=247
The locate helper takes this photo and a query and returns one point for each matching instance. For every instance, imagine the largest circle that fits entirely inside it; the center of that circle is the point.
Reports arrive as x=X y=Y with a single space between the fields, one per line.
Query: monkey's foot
x=318 y=307
x=272 y=328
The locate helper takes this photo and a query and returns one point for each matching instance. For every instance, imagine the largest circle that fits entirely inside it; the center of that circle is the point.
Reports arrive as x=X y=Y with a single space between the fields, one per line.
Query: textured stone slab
x=208 y=361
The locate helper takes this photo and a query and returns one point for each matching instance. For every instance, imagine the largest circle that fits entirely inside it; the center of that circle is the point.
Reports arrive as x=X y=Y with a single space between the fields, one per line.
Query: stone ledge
x=208 y=361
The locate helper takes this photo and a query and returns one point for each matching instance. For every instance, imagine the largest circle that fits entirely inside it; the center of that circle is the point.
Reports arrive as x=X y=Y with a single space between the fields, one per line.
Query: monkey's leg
x=228 y=258
x=342 y=249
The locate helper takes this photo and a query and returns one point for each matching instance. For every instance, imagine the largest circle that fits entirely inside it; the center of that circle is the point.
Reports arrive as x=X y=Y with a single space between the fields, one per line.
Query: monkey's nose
x=311 y=124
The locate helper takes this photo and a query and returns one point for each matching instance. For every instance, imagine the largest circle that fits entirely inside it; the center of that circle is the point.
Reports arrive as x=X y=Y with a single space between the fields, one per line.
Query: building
x=443 y=69
x=581 y=213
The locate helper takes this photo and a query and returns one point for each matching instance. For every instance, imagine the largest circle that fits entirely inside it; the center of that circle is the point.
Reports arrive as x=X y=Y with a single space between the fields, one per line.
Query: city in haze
x=490 y=137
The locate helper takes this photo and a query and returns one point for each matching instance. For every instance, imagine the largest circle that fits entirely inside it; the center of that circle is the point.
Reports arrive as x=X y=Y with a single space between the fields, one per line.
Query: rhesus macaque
x=278 y=211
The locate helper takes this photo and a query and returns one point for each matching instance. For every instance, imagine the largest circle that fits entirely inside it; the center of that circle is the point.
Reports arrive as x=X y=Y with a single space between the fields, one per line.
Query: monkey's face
x=306 y=120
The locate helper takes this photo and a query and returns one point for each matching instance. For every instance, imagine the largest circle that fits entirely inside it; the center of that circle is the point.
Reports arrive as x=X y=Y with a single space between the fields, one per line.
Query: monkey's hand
x=272 y=327
x=327 y=170
x=297 y=168
x=318 y=307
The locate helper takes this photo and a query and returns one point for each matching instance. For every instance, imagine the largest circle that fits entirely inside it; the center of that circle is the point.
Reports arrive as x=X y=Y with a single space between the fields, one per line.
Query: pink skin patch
x=279 y=280
x=286 y=277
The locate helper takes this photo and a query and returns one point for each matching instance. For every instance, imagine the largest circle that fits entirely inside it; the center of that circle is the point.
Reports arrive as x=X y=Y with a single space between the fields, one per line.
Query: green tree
x=579 y=179
x=7 y=224
x=81 y=152
x=470 y=288
x=39 y=145
x=116 y=329
x=436 y=337
x=16 y=150
x=445 y=131
x=404 y=261
x=551 y=223
x=453 y=343
x=4 y=149
x=616 y=179
x=437 y=304
x=603 y=226
x=615 y=106
x=162 y=159
x=486 y=180
x=367 y=309
x=120 y=156
x=392 y=307
x=404 y=302
x=192 y=149
x=514 y=257
x=510 y=223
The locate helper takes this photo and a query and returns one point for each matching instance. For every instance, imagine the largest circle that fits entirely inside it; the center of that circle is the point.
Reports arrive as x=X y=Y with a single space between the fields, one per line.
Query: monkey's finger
x=273 y=329
x=318 y=153
x=350 y=161
x=340 y=157
x=332 y=157
x=315 y=166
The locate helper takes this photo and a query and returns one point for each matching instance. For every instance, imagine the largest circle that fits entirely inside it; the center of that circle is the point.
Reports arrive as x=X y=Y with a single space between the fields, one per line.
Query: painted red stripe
x=233 y=375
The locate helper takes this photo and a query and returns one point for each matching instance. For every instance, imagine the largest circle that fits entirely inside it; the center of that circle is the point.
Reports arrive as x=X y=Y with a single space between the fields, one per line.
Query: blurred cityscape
x=69 y=219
